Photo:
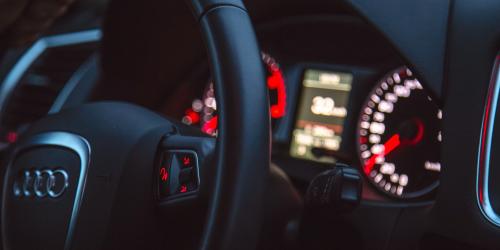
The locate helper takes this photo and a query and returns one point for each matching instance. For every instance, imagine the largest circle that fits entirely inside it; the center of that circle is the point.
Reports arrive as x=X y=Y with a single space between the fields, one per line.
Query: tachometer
x=203 y=112
x=399 y=134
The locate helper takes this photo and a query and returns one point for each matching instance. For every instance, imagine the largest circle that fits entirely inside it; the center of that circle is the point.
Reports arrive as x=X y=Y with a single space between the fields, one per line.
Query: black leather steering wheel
x=91 y=177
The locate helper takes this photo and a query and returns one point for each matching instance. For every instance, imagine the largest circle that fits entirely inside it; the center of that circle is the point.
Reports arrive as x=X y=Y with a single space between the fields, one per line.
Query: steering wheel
x=112 y=175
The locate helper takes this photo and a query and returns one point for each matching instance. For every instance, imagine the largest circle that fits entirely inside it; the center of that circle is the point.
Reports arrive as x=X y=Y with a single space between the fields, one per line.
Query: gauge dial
x=399 y=134
x=203 y=112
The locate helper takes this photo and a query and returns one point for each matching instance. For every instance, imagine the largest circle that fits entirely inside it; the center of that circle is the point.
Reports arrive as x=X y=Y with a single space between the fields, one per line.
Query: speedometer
x=399 y=136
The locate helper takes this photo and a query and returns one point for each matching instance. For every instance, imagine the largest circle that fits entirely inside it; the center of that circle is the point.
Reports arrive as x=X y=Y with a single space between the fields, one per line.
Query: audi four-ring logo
x=41 y=183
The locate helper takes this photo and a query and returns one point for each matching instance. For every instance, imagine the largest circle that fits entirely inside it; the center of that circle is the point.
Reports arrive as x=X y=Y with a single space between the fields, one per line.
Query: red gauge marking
x=210 y=126
x=420 y=133
x=402 y=73
x=394 y=142
x=389 y=146
x=363 y=140
x=195 y=117
x=11 y=137
x=276 y=82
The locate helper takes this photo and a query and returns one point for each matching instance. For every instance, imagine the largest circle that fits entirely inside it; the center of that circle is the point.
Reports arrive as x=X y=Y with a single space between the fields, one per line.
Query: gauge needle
x=389 y=146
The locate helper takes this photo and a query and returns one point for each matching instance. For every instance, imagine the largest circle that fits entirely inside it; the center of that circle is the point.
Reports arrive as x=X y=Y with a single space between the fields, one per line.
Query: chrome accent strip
x=14 y=76
x=483 y=162
x=72 y=83
x=65 y=176
x=70 y=141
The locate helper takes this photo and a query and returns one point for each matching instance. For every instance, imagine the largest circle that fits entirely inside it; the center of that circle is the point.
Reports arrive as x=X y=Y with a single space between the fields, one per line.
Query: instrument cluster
x=390 y=129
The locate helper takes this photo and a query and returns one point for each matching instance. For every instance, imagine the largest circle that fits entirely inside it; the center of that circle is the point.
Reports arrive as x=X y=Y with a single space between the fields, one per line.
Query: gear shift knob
x=338 y=189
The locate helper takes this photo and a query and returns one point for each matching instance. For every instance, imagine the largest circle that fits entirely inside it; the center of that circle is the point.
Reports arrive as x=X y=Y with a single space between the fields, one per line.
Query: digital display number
x=321 y=114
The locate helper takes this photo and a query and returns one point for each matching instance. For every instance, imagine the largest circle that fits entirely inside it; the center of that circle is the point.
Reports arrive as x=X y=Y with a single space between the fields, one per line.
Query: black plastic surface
x=199 y=7
x=40 y=223
x=123 y=140
x=418 y=29
x=244 y=131
x=79 y=89
x=473 y=44
x=335 y=191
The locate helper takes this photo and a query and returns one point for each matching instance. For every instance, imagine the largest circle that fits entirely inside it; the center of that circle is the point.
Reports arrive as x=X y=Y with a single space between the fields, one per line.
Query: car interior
x=249 y=124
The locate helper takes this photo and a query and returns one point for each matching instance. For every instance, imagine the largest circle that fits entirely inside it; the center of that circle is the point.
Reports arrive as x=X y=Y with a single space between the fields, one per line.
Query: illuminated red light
x=484 y=134
x=11 y=137
x=276 y=82
x=186 y=161
x=389 y=146
x=163 y=174
x=195 y=117
x=183 y=188
x=420 y=133
x=393 y=143
x=483 y=144
x=210 y=126
x=363 y=140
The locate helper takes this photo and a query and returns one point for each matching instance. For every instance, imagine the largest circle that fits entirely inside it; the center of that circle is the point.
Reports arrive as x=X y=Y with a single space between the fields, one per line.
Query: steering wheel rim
x=242 y=151
x=228 y=19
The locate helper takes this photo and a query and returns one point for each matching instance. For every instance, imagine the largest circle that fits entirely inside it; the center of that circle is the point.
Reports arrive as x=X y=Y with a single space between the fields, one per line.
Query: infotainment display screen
x=321 y=113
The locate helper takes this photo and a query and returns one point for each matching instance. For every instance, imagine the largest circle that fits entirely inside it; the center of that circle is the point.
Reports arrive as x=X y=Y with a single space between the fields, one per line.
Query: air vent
x=30 y=89
x=40 y=85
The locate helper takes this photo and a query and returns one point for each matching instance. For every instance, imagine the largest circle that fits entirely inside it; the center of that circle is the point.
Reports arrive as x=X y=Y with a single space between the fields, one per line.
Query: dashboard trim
x=483 y=161
x=15 y=74
x=88 y=67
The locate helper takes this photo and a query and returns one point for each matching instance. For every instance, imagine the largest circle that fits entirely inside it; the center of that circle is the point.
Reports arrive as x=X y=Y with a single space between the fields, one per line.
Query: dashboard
x=335 y=97
x=397 y=130
x=325 y=109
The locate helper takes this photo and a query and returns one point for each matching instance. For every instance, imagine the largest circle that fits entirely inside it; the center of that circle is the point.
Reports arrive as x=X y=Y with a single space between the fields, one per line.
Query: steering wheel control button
x=188 y=160
x=186 y=175
x=178 y=173
x=164 y=176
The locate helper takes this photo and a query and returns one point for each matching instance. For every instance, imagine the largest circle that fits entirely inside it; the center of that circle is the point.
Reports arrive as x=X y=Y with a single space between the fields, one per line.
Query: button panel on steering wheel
x=178 y=173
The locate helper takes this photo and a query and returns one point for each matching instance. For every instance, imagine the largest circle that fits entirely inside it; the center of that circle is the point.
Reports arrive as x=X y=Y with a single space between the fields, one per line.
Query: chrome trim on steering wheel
x=483 y=162
x=73 y=142
x=14 y=76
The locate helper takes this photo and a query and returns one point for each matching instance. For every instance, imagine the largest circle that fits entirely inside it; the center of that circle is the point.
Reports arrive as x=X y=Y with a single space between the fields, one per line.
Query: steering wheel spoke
x=134 y=168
